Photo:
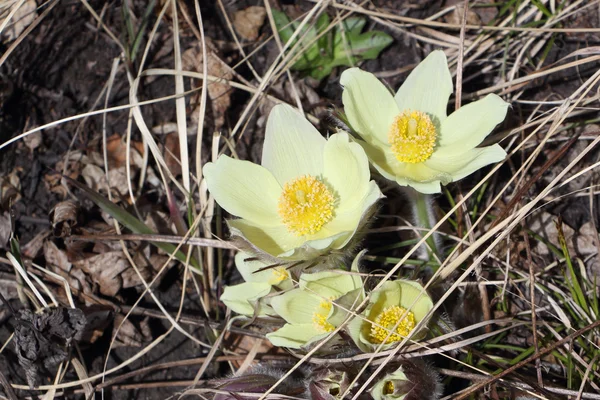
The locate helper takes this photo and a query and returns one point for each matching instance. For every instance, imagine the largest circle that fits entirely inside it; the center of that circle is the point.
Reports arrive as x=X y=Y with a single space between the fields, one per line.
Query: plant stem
x=425 y=218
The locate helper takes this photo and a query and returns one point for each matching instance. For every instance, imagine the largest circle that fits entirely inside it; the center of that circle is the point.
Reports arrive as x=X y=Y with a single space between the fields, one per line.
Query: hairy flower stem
x=424 y=217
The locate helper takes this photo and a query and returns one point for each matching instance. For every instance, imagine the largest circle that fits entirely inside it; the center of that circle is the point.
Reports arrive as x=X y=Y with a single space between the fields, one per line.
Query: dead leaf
x=456 y=16
x=10 y=189
x=171 y=152
x=35 y=245
x=95 y=178
x=128 y=334
x=116 y=149
x=56 y=256
x=249 y=21
x=105 y=271
x=5 y=229
x=63 y=217
x=33 y=141
x=24 y=16
x=41 y=340
x=218 y=93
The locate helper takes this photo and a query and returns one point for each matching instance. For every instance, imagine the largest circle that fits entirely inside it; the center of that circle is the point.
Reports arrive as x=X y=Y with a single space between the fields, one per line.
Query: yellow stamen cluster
x=320 y=316
x=385 y=322
x=305 y=205
x=412 y=136
x=388 y=388
x=280 y=274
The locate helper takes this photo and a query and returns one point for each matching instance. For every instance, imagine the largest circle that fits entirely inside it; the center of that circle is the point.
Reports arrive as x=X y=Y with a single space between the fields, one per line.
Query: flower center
x=279 y=274
x=387 y=320
x=412 y=136
x=388 y=388
x=305 y=205
x=320 y=316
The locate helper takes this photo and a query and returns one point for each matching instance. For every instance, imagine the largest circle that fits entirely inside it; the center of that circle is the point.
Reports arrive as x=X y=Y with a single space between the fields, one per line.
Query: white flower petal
x=275 y=240
x=466 y=128
x=293 y=146
x=369 y=106
x=346 y=169
x=428 y=87
x=244 y=189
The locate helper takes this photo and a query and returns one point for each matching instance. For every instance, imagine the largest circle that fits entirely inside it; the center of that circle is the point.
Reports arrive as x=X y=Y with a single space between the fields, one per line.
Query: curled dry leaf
x=63 y=217
x=41 y=340
x=8 y=289
x=33 y=141
x=10 y=189
x=95 y=178
x=35 y=245
x=248 y=22
x=125 y=333
x=105 y=271
x=483 y=14
x=171 y=153
x=5 y=229
x=219 y=93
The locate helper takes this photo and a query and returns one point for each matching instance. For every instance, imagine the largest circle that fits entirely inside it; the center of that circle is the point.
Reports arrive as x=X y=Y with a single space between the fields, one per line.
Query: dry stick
x=525 y=379
x=538 y=363
x=483 y=294
x=7 y=388
x=523 y=189
x=526 y=361
x=201 y=242
x=477 y=377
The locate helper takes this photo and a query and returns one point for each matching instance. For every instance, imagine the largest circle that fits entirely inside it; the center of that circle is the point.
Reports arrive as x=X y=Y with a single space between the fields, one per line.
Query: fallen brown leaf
x=248 y=22
x=218 y=93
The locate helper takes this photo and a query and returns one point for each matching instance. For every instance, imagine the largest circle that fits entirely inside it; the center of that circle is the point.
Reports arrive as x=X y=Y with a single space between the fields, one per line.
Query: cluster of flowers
x=304 y=209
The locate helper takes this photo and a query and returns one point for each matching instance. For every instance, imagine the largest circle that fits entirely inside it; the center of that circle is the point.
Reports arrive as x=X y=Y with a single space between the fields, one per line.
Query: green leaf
x=358 y=47
x=343 y=45
x=129 y=221
x=286 y=29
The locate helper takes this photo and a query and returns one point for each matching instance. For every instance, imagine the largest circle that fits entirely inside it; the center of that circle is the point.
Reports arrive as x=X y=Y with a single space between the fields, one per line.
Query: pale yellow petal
x=428 y=87
x=330 y=284
x=244 y=189
x=414 y=298
x=274 y=240
x=368 y=104
x=296 y=306
x=348 y=219
x=346 y=169
x=466 y=128
x=480 y=158
x=295 y=336
x=244 y=298
x=293 y=146
x=419 y=176
x=253 y=270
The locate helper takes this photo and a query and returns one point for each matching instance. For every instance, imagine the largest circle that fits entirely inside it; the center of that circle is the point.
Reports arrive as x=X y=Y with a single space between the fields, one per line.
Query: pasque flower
x=408 y=137
x=413 y=380
x=308 y=197
x=248 y=298
x=316 y=307
x=393 y=312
